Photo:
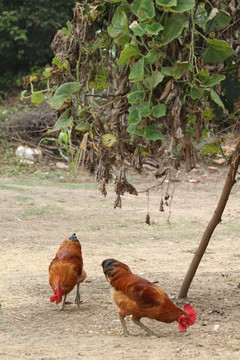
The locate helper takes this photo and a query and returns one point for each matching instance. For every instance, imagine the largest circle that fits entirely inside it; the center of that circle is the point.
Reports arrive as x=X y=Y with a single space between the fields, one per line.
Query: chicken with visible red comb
x=141 y=298
x=66 y=270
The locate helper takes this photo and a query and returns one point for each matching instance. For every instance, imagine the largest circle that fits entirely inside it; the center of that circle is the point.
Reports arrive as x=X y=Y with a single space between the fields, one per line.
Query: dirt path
x=34 y=220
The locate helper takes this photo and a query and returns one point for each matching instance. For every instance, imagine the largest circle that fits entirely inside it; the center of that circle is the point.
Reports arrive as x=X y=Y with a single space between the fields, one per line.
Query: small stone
x=216 y=327
x=220 y=161
x=212 y=169
x=194 y=181
x=61 y=165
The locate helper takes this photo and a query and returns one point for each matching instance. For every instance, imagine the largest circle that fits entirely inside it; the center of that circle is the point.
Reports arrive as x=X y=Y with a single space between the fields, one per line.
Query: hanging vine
x=139 y=77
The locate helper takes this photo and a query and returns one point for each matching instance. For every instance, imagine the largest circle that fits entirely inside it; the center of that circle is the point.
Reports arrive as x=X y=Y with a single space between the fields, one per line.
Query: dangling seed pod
x=147 y=221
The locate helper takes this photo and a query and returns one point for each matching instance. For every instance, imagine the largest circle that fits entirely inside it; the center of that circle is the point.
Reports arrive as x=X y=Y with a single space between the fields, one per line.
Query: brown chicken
x=66 y=271
x=140 y=298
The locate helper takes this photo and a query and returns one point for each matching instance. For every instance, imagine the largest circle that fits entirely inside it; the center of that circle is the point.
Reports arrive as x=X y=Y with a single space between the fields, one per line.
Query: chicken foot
x=78 y=298
x=125 y=330
x=144 y=327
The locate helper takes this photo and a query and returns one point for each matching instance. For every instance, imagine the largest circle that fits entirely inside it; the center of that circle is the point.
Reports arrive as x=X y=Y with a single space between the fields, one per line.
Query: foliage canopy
x=142 y=78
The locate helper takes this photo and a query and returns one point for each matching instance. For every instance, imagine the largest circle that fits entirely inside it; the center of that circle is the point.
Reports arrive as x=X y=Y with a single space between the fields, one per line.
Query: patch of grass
x=33 y=181
x=122 y=225
x=75 y=185
x=22 y=198
x=154 y=223
x=39 y=211
x=233 y=227
x=40 y=248
x=95 y=228
x=192 y=251
x=51 y=174
x=236 y=255
x=9 y=187
x=131 y=241
x=61 y=201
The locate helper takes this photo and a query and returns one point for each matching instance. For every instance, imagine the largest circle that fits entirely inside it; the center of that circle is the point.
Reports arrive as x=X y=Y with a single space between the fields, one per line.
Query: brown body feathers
x=66 y=270
x=140 y=298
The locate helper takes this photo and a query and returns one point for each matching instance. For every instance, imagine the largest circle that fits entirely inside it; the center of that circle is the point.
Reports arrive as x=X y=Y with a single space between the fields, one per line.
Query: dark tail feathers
x=74 y=237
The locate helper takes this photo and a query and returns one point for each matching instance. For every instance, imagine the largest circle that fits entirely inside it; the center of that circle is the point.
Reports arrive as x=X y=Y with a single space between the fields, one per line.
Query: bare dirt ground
x=36 y=217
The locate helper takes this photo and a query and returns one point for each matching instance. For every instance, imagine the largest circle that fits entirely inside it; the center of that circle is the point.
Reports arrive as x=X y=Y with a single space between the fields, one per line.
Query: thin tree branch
x=215 y=220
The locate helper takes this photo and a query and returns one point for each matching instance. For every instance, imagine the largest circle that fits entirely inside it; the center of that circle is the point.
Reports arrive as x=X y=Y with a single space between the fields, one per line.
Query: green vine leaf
x=172 y=29
x=63 y=93
x=203 y=75
x=127 y=53
x=213 y=80
x=143 y=109
x=108 y=140
x=119 y=29
x=66 y=30
x=58 y=62
x=136 y=94
x=196 y=93
x=152 y=81
x=154 y=28
x=167 y=70
x=166 y=3
x=47 y=72
x=152 y=134
x=183 y=5
x=219 y=21
x=131 y=129
x=152 y=56
x=64 y=121
x=159 y=110
x=133 y=118
x=37 y=97
x=92 y=47
x=83 y=127
x=218 y=50
x=144 y=9
x=137 y=71
x=138 y=29
x=216 y=98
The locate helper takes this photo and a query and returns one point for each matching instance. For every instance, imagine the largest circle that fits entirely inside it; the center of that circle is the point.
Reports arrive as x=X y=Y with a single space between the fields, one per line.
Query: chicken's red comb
x=192 y=315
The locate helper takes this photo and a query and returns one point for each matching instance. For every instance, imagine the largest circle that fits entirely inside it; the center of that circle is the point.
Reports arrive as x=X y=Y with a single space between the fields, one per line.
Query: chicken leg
x=78 y=298
x=63 y=303
x=144 y=327
x=125 y=330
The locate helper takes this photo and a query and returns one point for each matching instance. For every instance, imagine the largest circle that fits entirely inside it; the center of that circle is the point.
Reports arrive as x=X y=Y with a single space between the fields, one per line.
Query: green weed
x=95 y=228
x=40 y=248
x=8 y=187
x=33 y=181
x=22 y=198
x=39 y=211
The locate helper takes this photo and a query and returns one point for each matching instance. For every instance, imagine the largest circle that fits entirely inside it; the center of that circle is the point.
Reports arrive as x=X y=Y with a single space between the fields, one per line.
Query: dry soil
x=36 y=217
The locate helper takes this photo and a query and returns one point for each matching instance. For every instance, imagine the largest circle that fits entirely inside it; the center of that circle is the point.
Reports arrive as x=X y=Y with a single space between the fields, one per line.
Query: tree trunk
x=215 y=220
